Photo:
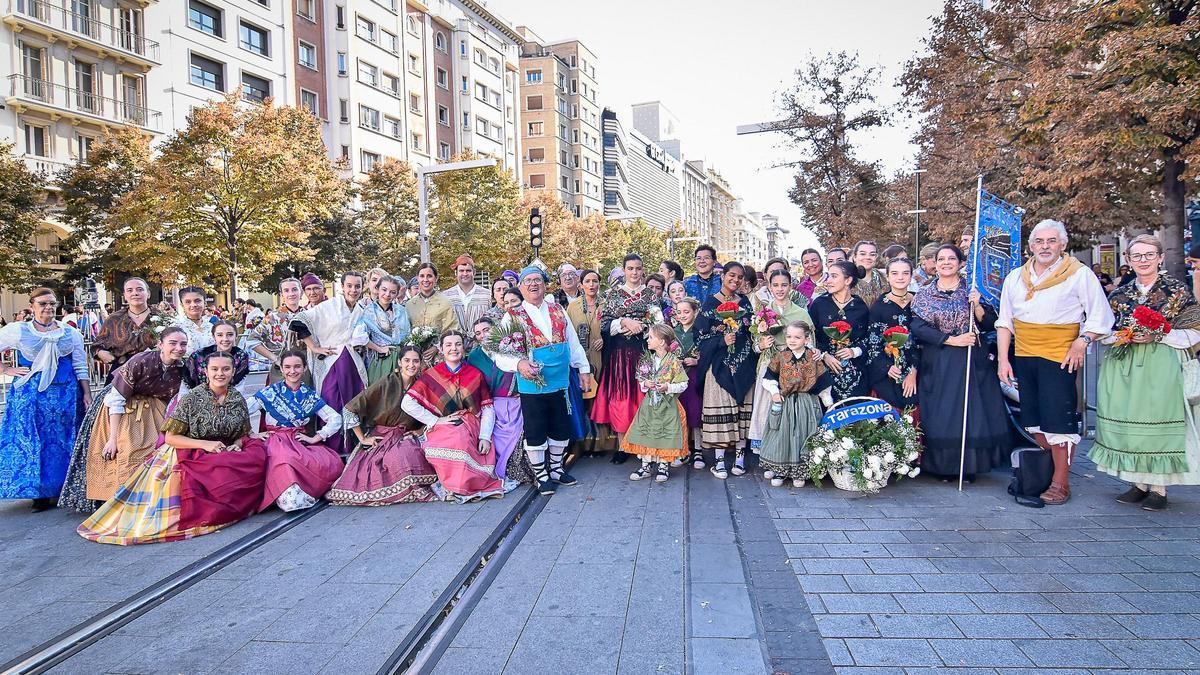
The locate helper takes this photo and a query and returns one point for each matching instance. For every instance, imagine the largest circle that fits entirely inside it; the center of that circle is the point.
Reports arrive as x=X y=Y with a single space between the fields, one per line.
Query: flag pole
x=962 y=450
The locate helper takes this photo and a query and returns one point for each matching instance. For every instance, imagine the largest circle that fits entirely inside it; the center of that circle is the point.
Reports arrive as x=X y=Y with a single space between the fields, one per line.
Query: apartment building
x=562 y=129
x=616 y=167
x=655 y=121
x=721 y=201
x=778 y=245
x=749 y=236
x=695 y=200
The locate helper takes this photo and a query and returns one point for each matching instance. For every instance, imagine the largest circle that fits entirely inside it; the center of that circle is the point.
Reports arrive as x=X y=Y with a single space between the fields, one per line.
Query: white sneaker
x=738 y=470
x=639 y=474
x=676 y=463
x=797 y=482
x=720 y=472
x=776 y=482
x=768 y=475
x=699 y=463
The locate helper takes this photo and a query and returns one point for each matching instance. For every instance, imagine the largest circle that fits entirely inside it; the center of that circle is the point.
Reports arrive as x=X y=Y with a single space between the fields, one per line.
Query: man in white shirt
x=543 y=376
x=1043 y=304
x=469 y=299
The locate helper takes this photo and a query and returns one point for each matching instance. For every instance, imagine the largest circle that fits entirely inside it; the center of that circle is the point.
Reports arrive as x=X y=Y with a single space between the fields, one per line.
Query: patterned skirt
x=453 y=450
x=394 y=471
x=36 y=436
x=137 y=439
x=724 y=422
x=786 y=433
x=74 y=491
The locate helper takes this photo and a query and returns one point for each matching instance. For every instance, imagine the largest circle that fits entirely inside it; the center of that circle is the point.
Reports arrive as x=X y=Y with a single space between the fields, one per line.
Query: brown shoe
x=1056 y=494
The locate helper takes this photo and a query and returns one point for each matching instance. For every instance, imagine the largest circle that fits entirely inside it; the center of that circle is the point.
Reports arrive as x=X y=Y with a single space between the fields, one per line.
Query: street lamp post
x=917 y=211
x=423 y=197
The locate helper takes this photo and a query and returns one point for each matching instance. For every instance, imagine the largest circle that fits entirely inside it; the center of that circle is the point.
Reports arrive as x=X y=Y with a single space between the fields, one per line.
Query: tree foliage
x=228 y=194
x=831 y=103
x=22 y=207
x=389 y=217
x=472 y=210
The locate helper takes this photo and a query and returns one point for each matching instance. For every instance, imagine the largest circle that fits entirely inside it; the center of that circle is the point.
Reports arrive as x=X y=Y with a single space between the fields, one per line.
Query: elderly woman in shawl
x=452 y=400
x=1146 y=430
x=941 y=322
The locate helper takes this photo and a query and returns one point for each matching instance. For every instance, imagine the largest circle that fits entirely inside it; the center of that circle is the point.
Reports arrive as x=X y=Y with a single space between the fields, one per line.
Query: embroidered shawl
x=622 y=303
x=123 y=338
x=290 y=408
x=442 y=391
x=558 y=325
x=1169 y=296
x=795 y=375
x=146 y=375
x=948 y=312
x=198 y=415
x=379 y=405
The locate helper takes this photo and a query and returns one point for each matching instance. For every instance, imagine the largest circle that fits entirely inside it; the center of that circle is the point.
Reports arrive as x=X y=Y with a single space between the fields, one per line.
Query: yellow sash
x=1047 y=340
x=1060 y=275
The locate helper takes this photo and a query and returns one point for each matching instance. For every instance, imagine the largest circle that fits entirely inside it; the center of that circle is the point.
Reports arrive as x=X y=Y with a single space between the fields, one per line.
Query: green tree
x=389 y=216
x=22 y=207
x=338 y=244
x=623 y=238
x=472 y=211
x=230 y=192
x=91 y=191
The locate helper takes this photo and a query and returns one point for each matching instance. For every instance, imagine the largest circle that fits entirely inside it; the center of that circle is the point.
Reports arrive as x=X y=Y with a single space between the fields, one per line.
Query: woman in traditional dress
x=224 y=336
x=727 y=364
x=388 y=465
x=1146 y=432
x=584 y=313
x=510 y=425
x=385 y=324
x=274 y=335
x=629 y=309
x=896 y=384
x=847 y=362
x=871 y=282
x=192 y=320
x=768 y=343
x=121 y=428
x=201 y=480
x=765 y=296
x=453 y=402
x=941 y=322
x=686 y=312
x=499 y=286
x=658 y=434
x=130 y=330
x=794 y=375
x=40 y=420
x=300 y=467
x=676 y=292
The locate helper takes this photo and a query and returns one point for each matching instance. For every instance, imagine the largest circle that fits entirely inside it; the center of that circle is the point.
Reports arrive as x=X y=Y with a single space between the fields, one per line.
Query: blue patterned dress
x=38 y=430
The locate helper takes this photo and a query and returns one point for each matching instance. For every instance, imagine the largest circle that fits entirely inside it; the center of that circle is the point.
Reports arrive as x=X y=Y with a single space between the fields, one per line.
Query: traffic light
x=535 y=230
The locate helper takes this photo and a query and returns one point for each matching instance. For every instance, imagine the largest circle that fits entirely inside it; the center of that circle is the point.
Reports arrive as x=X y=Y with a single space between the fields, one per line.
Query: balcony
x=76 y=29
x=27 y=93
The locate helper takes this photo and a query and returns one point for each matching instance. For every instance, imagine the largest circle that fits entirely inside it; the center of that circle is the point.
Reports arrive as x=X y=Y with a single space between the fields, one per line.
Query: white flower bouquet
x=862 y=456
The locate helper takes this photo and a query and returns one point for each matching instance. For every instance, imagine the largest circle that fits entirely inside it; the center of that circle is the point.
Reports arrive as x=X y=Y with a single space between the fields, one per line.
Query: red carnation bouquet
x=894 y=339
x=1143 y=322
x=730 y=314
x=839 y=336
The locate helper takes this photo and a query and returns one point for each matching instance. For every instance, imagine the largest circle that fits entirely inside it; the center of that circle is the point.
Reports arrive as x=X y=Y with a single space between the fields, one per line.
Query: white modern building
x=655 y=190
x=657 y=123
x=695 y=200
x=749 y=236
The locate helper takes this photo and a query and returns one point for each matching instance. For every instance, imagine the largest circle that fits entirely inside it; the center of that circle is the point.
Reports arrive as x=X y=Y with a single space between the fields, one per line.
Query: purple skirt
x=692 y=398
x=508 y=430
x=341 y=384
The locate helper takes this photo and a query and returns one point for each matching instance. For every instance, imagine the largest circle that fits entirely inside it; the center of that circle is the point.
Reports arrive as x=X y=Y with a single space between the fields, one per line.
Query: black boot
x=545 y=485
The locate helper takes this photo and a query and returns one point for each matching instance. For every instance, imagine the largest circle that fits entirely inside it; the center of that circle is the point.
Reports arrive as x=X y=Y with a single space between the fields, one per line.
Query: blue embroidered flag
x=997 y=249
x=867 y=410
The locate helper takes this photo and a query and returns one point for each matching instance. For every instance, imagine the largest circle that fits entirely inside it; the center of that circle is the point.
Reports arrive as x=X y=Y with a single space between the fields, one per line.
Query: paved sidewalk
x=921 y=576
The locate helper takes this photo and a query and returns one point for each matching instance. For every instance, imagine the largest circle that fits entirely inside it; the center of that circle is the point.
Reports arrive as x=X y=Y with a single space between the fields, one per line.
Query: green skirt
x=658 y=431
x=379 y=367
x=1143 y=422
x=783 y=448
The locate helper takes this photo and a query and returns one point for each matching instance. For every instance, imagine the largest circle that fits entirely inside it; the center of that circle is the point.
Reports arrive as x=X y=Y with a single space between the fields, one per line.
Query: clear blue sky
x=717 y=65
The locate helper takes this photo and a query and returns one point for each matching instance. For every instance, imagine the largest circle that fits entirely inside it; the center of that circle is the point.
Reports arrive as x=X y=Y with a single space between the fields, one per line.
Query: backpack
x=1033 y=469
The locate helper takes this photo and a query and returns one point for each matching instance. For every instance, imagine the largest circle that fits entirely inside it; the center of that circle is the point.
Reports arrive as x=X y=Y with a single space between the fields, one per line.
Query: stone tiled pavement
x=921 y=577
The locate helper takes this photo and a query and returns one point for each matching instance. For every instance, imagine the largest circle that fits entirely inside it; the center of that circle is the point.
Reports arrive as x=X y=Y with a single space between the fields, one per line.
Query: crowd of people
x=395 y=391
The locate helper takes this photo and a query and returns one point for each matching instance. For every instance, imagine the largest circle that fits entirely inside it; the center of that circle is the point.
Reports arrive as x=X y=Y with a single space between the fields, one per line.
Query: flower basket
x=862 y=442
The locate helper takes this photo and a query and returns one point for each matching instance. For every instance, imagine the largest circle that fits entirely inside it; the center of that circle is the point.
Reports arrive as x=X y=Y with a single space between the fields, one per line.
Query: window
x=462 y=48
x=534 y=129
x=309 y=101
x=533 y=76
x=368 y=118
x=537 y=154
x=537 y=180
x=392 y=126
x=564 y=183
x=389 y=41
x=365 y=28
x=253 y=39
x=414 y=64
x=391 y=83
x=497 y=131
x=480 y=57
x=465 y=85
x=340 y=21
x=36 y=140
x=562 y=157
x=414 y=103
x=610 y=169
x=255 y=88
x=574 y=135
x=413 y=26
x=368 y=73
x=307 y=8
x=439 y=41
x=369 y=160
x=574 y=112
x=85 y=86
x=307 y=55
x=207 y=73
x=495 y=96
x=344 y=109
x=481 y=92
x=494 y=65
x=342 y=66
x=610 y=198
x=205 y=18
x=574 y=86
x=562 y=131
x=466 y=120
x=345 y=152
x=576 y=187
x=33 y=65
x=575 y=165
x=562 y=106
x=443 y=150
x=264 y=3
x=83 y=146
x=418 y=142
x=443 y=116
x=443 y=78
x=481 y=126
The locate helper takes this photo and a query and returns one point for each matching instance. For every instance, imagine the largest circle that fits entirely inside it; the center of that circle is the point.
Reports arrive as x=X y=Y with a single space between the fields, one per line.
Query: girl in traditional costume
x=684 y=318
x=384 y=322
x=40 y=420
x=300 y=467
x=847 y=360
x=224 y=340
x=793 y=378
x=192 y=320
x=658 y=433
x=506 y=436
x=896 y=384
x=769 y=342
x=201 y=480
x=388 y=465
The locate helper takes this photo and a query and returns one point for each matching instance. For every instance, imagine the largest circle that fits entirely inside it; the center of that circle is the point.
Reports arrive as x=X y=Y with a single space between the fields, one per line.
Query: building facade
x=653 y=120
x=778 y=245
x=721 y=201
x=561 y=122
x=696 y=200
x=749 y=236
x=655 y=189
x=616 y=167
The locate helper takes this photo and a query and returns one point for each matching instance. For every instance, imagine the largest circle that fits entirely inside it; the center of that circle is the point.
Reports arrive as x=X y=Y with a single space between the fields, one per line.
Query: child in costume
x=793 y=378
x=658 y=433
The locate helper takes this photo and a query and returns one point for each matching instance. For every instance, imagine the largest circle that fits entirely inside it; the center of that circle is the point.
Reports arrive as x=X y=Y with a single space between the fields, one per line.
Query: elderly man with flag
x=543 y=375
x=1055 y=308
